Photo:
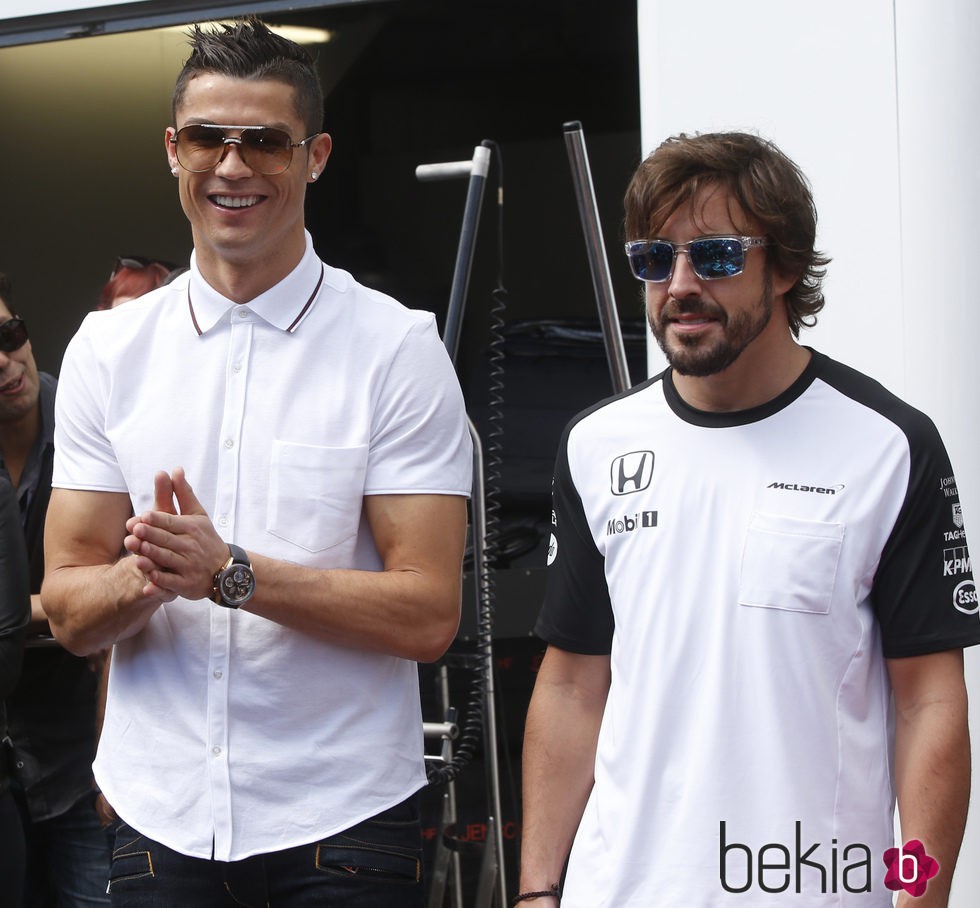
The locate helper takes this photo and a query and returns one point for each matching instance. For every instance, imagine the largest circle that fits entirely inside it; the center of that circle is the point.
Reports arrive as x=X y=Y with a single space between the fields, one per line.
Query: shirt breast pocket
x=790 y=564
x=315 y=493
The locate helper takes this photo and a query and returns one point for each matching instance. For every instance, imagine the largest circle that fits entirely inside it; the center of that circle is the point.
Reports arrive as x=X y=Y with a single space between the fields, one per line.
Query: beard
x=694 y=355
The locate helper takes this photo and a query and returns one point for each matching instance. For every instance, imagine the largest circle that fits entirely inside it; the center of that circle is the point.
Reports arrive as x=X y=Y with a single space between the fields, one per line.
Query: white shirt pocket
x=790 y=564
x=315 y=493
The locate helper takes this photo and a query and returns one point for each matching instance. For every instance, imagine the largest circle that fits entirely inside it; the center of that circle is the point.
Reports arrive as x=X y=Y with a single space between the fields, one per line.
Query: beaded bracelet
x=544 y=893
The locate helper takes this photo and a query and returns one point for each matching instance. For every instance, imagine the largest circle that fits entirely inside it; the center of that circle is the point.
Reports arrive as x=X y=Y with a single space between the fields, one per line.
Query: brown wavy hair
x=769 y=188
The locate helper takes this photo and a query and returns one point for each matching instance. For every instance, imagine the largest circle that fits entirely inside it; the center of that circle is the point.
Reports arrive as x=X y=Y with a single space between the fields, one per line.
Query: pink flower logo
x=909 y=868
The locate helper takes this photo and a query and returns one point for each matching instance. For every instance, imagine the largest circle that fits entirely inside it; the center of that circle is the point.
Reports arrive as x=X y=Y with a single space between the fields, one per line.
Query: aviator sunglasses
x=711 y=257
x=13 y=334
x=202 y=146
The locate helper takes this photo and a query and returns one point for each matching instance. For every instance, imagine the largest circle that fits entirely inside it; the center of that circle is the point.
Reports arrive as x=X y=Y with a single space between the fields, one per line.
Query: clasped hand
x=175 y=545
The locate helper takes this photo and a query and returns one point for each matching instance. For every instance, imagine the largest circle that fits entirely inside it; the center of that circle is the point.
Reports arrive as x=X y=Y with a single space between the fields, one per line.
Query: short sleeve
x=420 y=442
x=924 y=594
x=84 y=458
x=577 y=613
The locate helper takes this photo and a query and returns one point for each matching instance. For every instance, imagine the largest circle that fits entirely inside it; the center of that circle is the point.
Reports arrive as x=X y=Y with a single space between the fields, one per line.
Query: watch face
x=236 y=584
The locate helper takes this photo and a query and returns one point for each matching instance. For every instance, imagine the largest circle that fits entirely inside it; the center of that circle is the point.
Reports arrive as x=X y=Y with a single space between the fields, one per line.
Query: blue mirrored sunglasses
x=711 y=257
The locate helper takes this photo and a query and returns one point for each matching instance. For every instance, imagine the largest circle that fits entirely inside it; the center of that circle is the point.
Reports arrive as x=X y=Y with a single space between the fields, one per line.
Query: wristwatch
x=234 y=582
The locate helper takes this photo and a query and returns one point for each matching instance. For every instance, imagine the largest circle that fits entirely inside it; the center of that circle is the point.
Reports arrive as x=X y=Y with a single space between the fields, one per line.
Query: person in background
x=15 y=613
x=132 y=276
x=51 y=712
x=292 y=447
x=758 y=572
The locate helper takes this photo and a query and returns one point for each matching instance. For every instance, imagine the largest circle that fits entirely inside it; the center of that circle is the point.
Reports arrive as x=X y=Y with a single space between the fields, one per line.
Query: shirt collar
x=284 y=306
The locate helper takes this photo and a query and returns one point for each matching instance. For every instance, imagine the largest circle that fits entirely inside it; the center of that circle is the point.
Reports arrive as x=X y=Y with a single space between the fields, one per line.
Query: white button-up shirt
x=224 y=729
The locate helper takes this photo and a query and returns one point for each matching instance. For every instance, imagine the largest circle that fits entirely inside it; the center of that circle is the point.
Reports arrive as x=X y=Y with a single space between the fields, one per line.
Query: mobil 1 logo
x=630 y=522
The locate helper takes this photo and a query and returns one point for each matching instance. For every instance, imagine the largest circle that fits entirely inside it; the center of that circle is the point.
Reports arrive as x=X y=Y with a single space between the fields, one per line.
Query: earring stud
x=314 y=175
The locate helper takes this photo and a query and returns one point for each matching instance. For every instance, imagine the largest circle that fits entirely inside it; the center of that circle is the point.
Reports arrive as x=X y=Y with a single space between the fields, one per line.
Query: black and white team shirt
x=748 y=573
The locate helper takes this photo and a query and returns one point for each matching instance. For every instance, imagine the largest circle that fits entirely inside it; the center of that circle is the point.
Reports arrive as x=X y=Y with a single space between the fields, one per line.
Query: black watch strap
x=234 y=582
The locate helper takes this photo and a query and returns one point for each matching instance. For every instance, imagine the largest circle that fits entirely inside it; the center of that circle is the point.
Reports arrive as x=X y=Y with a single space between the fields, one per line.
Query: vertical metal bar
x=602 y=283
x=488 y=872
x=456 y=901
x=464 y=254
x=477 y=169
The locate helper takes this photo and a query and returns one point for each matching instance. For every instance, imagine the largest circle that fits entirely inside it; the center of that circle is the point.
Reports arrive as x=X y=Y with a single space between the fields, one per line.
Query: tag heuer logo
x=958 y=515
x=631 y=472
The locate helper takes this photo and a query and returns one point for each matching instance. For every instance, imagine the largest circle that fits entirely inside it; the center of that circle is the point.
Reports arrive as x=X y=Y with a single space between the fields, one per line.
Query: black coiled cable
x=481 y=662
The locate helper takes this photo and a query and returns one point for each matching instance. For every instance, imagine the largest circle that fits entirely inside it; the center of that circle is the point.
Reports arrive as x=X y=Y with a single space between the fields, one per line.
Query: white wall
x=876 y=100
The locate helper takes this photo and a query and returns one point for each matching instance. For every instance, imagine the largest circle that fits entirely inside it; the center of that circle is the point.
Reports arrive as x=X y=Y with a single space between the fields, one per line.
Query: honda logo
x=632 y=472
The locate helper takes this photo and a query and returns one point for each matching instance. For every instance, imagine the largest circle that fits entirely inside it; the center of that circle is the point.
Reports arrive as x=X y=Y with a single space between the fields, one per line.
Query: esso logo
x=965 y=597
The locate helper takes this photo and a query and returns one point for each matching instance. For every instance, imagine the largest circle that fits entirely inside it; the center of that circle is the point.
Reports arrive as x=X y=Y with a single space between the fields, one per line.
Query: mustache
x=698 y=307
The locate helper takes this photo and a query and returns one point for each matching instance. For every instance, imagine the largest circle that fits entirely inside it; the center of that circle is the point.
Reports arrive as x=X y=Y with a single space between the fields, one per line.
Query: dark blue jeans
x=11 y=852
x=67 y=860
x=376 y=864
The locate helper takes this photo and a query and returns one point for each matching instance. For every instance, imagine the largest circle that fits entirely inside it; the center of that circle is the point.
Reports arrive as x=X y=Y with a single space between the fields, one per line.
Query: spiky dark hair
x=248 y=49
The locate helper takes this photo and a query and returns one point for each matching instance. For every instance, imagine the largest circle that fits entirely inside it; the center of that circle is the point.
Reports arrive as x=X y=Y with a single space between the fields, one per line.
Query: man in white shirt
x=756 y=554
x=262 y=739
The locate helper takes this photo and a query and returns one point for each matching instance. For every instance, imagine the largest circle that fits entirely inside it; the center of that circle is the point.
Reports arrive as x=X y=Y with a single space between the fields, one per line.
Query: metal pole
x=477 y=170
x=589 y=213
x=450 y=806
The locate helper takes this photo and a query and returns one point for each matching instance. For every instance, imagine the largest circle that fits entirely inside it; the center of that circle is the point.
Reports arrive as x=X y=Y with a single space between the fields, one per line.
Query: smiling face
x=242 y=221
x=704 y=326
x=19 y=382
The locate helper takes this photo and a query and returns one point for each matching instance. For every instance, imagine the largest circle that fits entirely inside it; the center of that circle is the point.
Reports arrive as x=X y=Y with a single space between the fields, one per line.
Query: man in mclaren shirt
x=755 y=555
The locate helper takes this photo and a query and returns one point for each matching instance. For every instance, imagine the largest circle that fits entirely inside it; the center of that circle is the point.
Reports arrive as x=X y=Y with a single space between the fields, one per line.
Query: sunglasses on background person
x=137 y=263
x=13 y=334
x=711 y=257
x=266 y=150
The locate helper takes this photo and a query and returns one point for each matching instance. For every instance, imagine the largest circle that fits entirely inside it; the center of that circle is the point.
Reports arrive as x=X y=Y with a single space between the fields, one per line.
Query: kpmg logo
x=956 y=561
x=631 y=473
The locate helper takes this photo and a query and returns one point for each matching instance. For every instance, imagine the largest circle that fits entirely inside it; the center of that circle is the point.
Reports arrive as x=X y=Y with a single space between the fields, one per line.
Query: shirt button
x=20 y=764
x=222 y=521
x=229 y=442
x=216 y=751
x=237 y=367
x=243 y=313
x=217 y=674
